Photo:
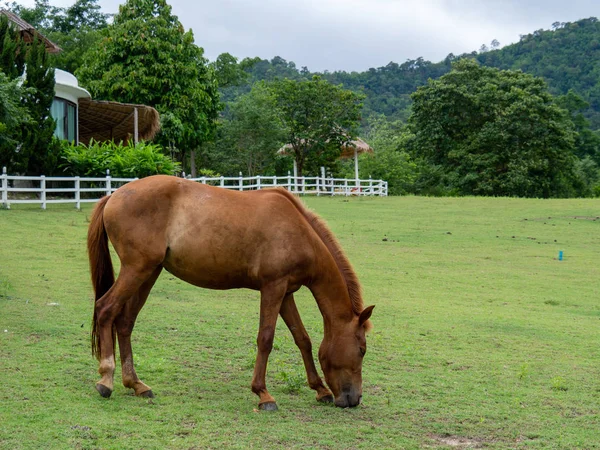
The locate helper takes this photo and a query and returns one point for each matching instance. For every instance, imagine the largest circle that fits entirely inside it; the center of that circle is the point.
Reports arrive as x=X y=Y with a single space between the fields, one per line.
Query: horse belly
x=208 y=268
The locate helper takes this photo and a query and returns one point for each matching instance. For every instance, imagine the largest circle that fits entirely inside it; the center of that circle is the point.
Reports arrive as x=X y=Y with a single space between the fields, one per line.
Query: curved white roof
x=67 y=86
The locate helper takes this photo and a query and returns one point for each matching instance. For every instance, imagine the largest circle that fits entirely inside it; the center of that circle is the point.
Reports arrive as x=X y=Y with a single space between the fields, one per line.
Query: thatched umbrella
x=350 y=149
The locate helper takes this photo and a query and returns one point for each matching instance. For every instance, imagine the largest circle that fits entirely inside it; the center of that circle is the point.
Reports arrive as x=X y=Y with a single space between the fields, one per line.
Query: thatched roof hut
x=103 y=121
x=28 y=33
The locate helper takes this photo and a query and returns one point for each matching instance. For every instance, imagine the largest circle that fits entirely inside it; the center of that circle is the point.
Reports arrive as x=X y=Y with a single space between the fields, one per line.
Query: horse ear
x=365 y=315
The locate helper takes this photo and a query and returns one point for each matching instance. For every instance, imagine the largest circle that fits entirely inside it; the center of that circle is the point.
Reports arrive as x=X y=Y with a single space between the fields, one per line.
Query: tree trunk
x=193 y=163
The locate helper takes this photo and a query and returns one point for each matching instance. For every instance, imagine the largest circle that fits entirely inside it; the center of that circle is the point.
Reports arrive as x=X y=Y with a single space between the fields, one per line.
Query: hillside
x=567 y=57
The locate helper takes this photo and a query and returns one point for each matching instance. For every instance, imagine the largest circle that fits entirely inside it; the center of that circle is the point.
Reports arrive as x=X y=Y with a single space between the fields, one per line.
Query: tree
x=13 y=116
x=40 y=149
x=587 y=142
x=74 y=29
x=147 y=57
x=320 y=117
x=255 y=130
x=495 y=133
x=28 y=145
x=228 y=71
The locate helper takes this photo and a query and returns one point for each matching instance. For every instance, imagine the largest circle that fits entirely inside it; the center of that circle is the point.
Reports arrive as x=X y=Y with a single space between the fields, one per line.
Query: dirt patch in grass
x=458 y=441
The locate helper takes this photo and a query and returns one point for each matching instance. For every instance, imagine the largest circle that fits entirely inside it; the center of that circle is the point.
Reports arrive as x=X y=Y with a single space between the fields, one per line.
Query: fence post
x=371 y=185
x=222 y=181
x=289 y=183
x=346 y=187
x=258 y=182
x=203 y=180
x=108 y=185
x=303 y=184
x=43 y=190
x=318 y=184
x=77 y=193
x=241 y=182
x=274 y=180
x=5 y=189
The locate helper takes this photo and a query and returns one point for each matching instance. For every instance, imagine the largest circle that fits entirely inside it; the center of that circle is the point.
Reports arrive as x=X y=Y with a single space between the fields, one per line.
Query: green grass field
x=482 y=338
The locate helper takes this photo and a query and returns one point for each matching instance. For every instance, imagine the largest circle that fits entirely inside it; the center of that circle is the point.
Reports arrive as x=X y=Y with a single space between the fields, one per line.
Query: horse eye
x=363 y=351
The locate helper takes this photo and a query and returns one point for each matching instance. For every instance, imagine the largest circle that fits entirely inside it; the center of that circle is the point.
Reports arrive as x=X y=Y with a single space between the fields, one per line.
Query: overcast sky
x=360 y=34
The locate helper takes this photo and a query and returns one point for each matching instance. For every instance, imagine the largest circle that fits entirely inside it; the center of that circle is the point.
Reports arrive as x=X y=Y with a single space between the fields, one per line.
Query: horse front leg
x=271 y=297
x=291 y=317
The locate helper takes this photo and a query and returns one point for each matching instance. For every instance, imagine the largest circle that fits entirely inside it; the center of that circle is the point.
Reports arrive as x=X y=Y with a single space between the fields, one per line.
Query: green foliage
x=13 y=116
x=228 y=72
x=495 y=133
x=567 y=58
x=12 y=49
x=319 y=117
x=587 y=142
x=147 y=57
x=253 y=131
x=27 y=144
x=75 y=29
x=127 y=161
x=40 y=149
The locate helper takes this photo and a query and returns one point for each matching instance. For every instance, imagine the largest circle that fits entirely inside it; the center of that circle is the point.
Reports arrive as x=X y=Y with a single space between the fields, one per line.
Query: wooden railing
x=77 y=190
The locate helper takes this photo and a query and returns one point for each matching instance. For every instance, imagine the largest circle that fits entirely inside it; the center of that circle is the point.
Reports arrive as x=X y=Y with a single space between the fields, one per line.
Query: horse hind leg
x=291 y=317
x=124 y=325
x=107 y=308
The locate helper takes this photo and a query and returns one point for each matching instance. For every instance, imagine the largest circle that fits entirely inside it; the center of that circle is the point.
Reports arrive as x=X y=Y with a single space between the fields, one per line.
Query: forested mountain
x=567 y=57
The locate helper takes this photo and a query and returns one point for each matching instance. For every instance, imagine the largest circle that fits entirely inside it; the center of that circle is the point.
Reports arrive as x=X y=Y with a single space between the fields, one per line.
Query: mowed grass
x=482 y=338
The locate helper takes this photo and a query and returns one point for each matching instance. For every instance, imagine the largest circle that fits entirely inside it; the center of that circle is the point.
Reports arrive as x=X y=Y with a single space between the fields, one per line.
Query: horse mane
x=334 y=247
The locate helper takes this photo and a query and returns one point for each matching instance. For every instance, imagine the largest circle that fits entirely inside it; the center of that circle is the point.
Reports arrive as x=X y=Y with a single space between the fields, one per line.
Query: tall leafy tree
x=495 y=133
x=40 y=149
x=74 y=29
x=320 y=117
x=13 y=116
x=147 y=57
x=28 y=145
x=254 y=130
x=12 y=50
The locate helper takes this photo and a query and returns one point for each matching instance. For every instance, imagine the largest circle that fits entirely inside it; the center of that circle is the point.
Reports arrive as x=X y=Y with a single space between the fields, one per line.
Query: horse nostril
x=348 y=402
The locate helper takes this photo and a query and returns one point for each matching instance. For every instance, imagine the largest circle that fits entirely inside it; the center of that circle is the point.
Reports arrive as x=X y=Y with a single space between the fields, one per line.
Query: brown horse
x=219 y=239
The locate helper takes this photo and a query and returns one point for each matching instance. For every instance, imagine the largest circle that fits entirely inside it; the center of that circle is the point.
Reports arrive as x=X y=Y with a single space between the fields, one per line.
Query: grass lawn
x=482 y=338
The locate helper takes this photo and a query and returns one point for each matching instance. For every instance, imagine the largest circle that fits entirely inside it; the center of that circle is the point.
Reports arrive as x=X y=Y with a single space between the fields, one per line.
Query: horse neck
x=331 y=293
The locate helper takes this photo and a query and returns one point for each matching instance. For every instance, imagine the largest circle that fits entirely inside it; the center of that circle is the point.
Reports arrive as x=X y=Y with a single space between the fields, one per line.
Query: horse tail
x=101 y=267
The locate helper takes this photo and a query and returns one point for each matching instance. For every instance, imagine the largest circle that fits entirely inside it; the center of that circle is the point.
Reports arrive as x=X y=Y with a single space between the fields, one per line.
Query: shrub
x=127 y=161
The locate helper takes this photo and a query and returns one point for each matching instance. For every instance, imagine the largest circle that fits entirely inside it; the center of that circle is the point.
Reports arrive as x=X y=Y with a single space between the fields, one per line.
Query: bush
x=126 y=161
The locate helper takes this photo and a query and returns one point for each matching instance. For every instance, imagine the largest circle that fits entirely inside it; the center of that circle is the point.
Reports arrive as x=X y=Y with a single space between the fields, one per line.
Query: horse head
x=341 y=355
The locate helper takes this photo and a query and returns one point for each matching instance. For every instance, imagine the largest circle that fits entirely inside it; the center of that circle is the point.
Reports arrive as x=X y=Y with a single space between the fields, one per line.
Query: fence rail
x=78 y=190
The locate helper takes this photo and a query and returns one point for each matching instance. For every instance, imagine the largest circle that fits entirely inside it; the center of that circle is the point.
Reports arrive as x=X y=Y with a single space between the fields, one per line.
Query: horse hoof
x=268 y=406
x=103 y=390
x=326 y=399
x=147 y=394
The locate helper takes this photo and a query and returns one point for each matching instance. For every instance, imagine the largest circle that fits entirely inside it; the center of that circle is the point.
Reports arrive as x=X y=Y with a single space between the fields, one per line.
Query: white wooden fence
x=78 y=190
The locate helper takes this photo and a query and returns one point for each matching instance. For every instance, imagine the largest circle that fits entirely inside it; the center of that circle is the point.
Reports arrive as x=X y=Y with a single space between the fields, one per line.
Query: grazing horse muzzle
x=349 y=398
